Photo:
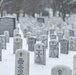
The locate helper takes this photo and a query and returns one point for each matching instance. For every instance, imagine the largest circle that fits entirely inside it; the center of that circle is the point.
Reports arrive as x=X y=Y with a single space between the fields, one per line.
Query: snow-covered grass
x=7 y=65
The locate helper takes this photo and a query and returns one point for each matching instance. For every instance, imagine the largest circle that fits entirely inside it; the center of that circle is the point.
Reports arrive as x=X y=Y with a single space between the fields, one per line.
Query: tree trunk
x=1 y=13
x=54 y=12
x=63 y=16
x=17 y=16
x=59 y=14
x=33 y=15
x=23 y=13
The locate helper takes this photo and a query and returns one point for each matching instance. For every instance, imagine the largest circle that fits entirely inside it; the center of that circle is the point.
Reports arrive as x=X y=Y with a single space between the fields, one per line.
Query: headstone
x=15 y=32
x=18 y=35
x=25 y=32
x=53 y=36
x=53 y=49
x=28 y=35
x=64 y=46
x=6 y=33
x=60 y=35
x=71 y=33
x=22 y=62
x=44 y=40
x=3 y=41
x=40 y=54
x=7 y=24
x=41 y=20
x=0 y=51
x=66 y=34
x=31 y=43
x=38 y=35
x=72 y=43
x=61 y=70
x=45 y=32
x=52 y=31
x=17 y=43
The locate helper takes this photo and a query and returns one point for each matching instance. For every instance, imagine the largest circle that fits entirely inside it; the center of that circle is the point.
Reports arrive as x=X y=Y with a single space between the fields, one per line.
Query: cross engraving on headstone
x=21 y=54
x=38 y=55
x=59 y=72
x=20 y=62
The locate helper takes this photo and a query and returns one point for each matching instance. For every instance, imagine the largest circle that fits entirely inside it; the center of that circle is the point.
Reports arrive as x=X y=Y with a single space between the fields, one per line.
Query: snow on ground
x=7 y=65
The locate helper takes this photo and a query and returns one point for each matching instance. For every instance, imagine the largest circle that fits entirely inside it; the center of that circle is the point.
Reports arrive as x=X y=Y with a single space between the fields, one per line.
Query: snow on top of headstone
x=10 y=16
x=74 y=56
x=2 y=35
x=17 y=37
x=22 y=50
x=39 y=43
x=61 y=66
x=64 y=38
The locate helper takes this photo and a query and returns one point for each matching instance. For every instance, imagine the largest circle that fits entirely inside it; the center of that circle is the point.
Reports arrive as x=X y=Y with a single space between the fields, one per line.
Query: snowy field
x=7 y=65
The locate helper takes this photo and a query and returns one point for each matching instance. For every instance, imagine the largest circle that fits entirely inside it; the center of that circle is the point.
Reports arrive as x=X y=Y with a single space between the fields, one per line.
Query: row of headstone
x=40 y=52
x=65 y=46
x=22 y=63
x=4 y=39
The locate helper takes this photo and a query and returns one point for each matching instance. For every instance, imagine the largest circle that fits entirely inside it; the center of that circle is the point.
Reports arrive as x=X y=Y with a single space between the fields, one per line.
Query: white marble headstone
x=22 y=62
x=61 y=70
x=31 y=43
x=71 y=32
x=6 y=33
x=38 y=35
x=53 y=36
x=28 y=35
x=40 y=54
x=60 y=35
x=52 y=31
x=66 y=34
x=17 y=43
x=53 y=49
x=72 y=43
x=16 y=31
x=64 y=46
x=45 y=32
x=44 y=39
x=3 y=41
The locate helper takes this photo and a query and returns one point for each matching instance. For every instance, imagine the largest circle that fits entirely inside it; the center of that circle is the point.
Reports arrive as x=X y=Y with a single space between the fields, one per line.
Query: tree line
x=30 y=7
